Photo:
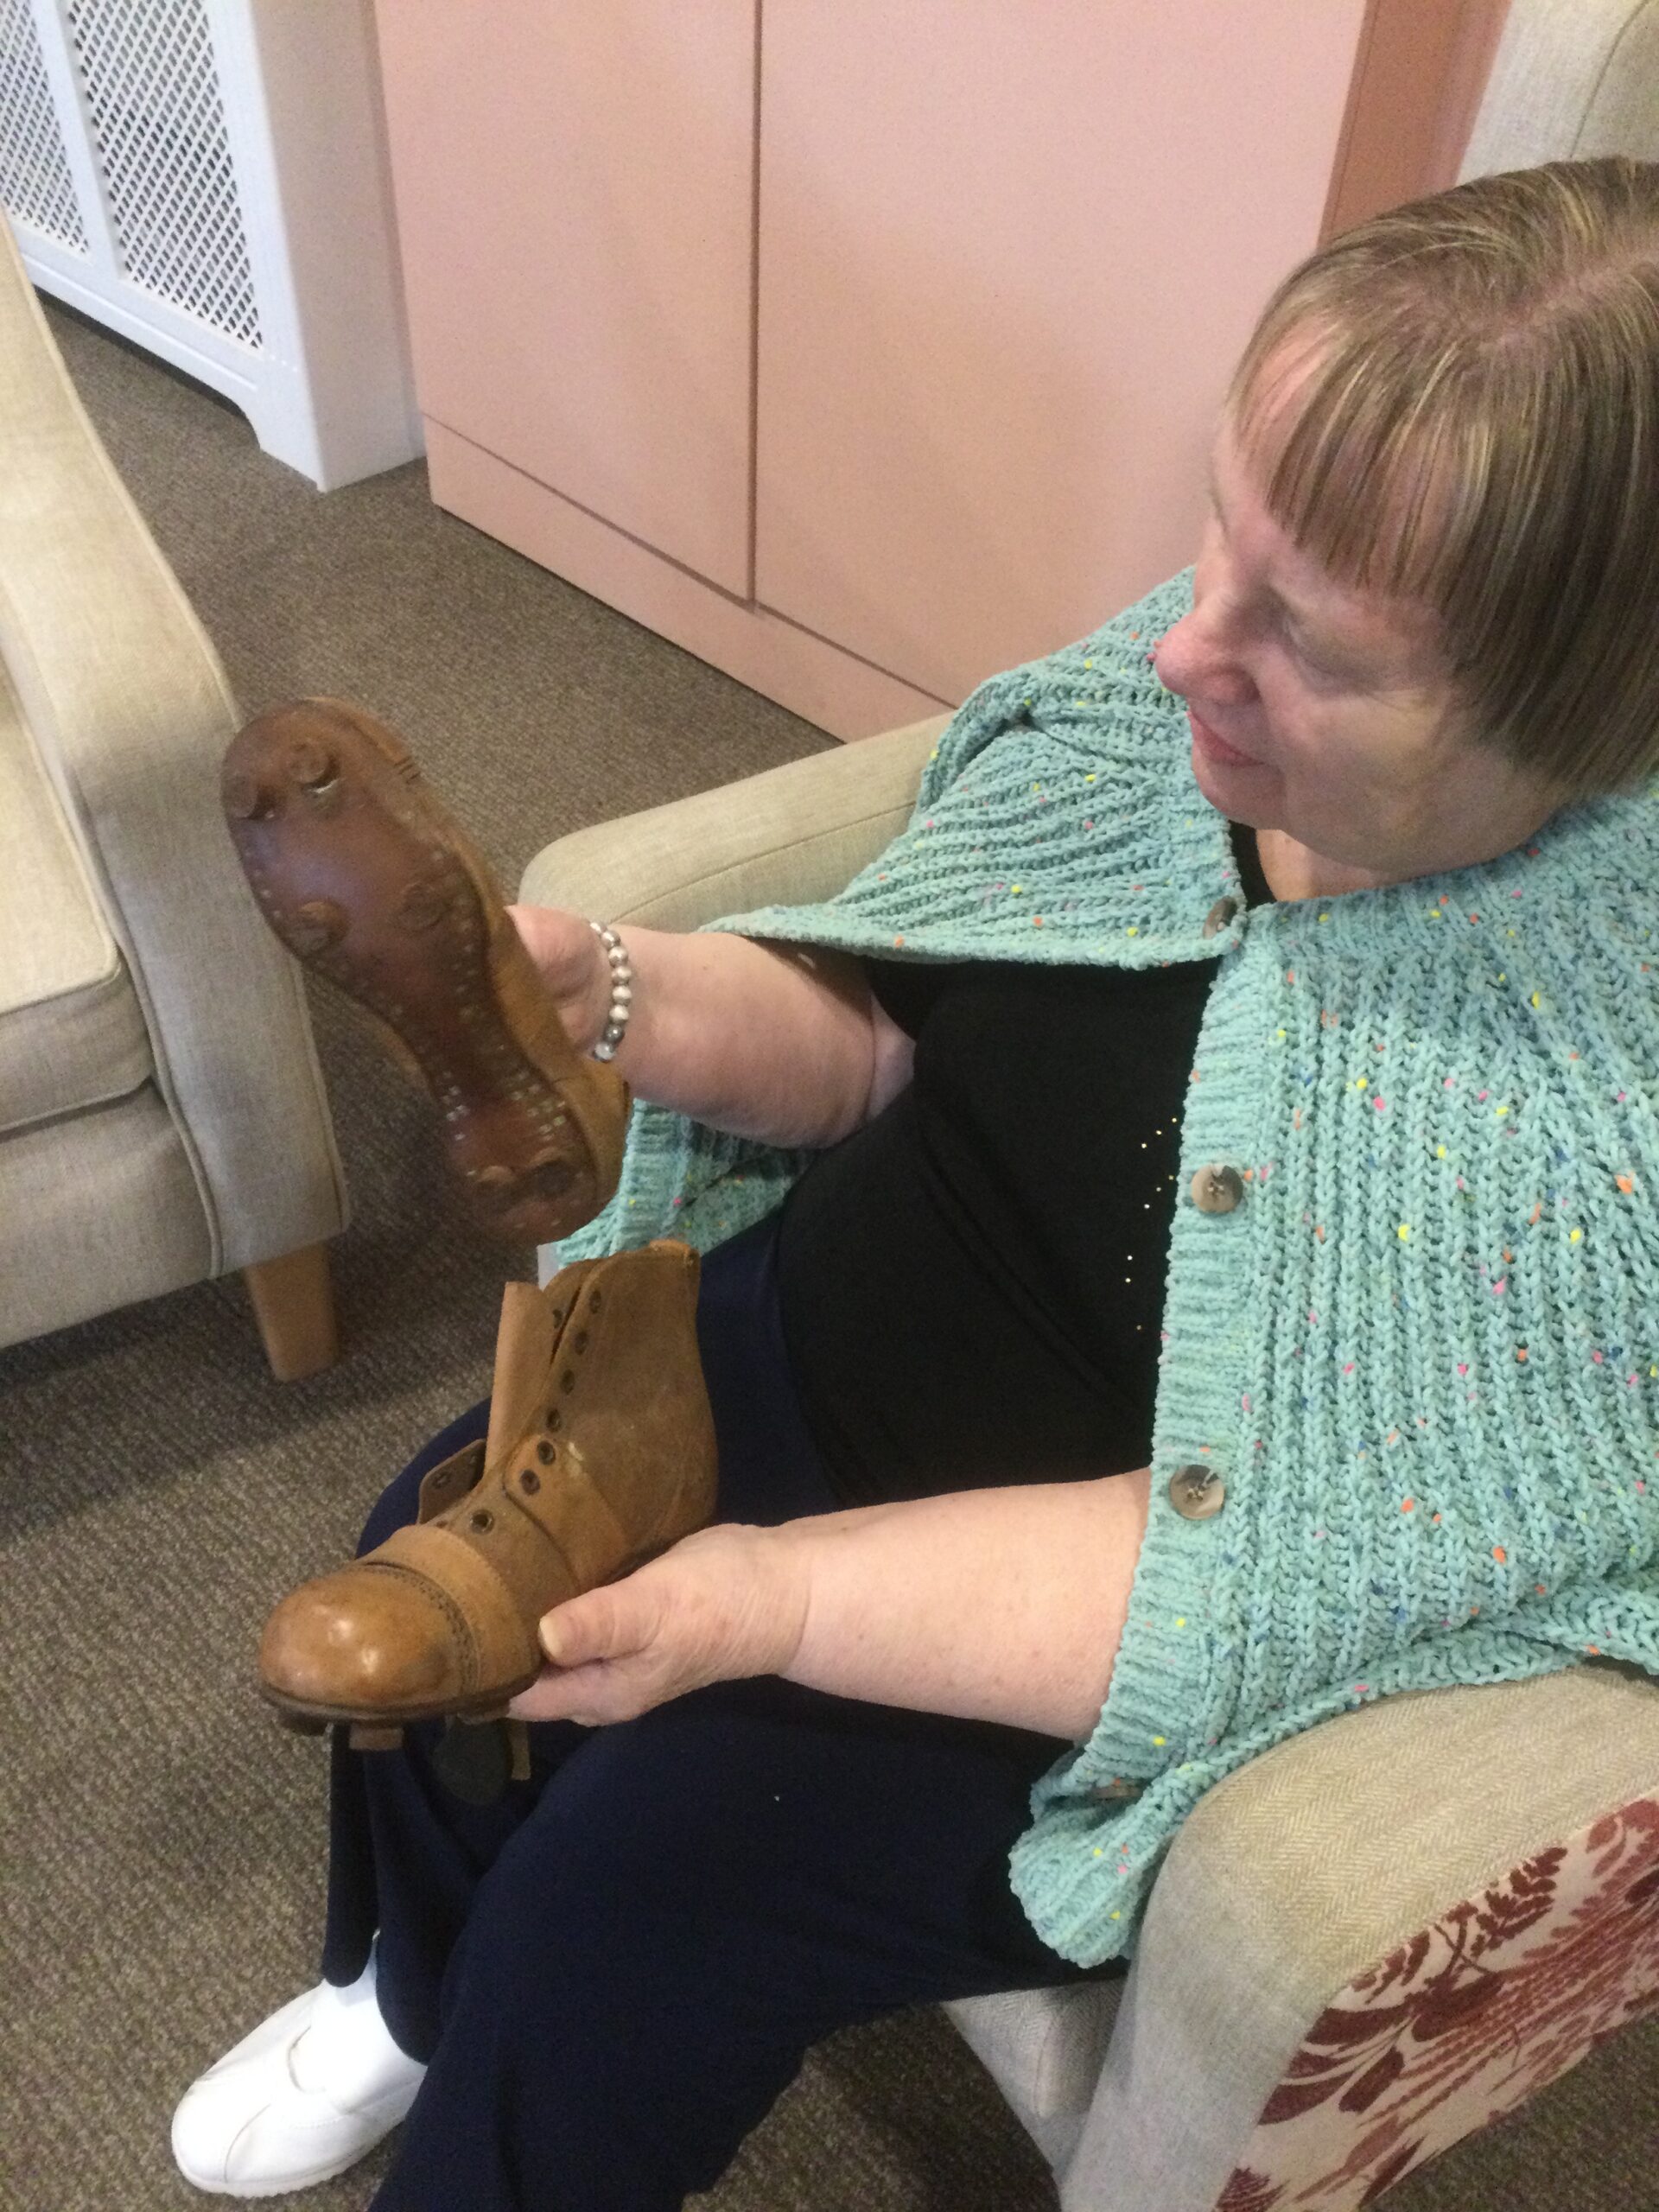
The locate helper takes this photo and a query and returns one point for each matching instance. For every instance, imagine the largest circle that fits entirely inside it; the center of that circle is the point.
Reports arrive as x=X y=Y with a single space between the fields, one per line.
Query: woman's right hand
x=777 y=1041
x=571 y=962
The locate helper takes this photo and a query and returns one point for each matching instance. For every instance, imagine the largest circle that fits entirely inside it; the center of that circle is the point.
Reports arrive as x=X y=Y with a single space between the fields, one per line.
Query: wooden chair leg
x=294 y=1305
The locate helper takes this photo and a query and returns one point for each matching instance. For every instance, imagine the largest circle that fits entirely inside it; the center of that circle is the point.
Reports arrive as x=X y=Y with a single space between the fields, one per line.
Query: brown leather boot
x=366 y=878
x=601 y=1453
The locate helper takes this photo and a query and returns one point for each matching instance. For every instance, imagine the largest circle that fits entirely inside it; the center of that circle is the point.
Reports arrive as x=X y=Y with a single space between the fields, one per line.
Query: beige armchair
x=161 y=1114
x=1376 y=1938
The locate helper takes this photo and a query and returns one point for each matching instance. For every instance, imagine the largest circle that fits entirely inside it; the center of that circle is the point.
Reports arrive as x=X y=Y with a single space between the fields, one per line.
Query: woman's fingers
x=725 y=1603
x=571 y=963
x=593 y=1696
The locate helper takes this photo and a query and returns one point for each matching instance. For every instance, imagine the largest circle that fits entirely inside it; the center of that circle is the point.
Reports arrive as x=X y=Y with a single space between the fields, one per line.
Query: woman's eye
x=1310 y=660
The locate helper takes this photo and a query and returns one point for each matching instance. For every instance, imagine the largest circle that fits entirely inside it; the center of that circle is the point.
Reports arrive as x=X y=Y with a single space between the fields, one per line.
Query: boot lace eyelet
x=580 y=1340
x=593 y=1303
x=530 y=1481
x=482 y=1520
x=544 y=1452
x=555 y=1418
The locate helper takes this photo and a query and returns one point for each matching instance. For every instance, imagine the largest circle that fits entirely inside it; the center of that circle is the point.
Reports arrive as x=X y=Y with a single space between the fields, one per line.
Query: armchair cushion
x=72 y=1033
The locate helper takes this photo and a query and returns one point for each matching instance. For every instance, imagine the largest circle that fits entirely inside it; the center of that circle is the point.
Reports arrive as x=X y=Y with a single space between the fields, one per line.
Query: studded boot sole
x=368 y=882
x=601 y=1455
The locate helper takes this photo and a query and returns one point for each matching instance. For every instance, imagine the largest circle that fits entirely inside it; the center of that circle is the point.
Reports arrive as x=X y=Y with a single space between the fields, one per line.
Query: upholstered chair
x=161 y=1114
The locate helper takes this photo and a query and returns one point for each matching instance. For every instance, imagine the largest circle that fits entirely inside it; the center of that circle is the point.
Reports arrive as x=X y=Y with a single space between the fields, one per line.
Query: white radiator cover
x=209 y=178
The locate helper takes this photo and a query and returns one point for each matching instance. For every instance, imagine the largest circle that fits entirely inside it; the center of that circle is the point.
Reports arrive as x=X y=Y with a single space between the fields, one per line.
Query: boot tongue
x=524 y=1352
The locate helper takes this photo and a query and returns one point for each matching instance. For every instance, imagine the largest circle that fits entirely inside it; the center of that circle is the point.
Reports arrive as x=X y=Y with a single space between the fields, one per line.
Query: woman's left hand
x=727 y=1602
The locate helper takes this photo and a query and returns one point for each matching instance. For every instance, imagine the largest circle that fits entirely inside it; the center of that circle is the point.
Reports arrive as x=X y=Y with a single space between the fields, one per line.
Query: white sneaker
x=307 y=2094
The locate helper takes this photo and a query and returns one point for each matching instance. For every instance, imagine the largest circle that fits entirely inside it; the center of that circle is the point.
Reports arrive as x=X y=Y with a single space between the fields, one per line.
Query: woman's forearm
x=994 y=1605
x=766 y=1041
x=997 y=1604
x=780 y=1042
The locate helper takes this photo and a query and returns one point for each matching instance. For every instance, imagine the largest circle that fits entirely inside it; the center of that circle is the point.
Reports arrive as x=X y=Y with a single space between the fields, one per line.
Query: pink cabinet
x=574 y=199
x=861 y=349
x=1008 y=257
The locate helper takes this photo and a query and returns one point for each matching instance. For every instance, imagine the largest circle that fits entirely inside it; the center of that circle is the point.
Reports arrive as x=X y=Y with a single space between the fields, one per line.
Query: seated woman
x=1216 y=1283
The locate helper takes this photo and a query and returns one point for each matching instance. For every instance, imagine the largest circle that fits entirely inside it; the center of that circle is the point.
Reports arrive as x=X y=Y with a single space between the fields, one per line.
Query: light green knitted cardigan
x=1422 y=1353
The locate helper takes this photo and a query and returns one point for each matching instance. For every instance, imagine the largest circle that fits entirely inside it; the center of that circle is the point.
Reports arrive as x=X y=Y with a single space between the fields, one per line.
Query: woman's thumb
x=600 y=1624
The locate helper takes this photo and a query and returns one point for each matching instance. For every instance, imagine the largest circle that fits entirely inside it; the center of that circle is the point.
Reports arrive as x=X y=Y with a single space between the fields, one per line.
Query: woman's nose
x=1195 y=659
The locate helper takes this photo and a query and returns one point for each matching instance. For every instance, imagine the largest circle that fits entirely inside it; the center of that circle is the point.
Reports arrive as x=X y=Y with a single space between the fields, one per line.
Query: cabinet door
x=1007 y=257
x=576 y=192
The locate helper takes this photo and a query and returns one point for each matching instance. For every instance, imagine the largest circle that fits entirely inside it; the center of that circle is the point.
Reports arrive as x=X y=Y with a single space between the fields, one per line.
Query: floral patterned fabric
x=1463 y=2021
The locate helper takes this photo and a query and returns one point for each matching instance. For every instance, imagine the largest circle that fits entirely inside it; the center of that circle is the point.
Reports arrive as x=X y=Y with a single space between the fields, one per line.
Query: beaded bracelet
x=621 y=991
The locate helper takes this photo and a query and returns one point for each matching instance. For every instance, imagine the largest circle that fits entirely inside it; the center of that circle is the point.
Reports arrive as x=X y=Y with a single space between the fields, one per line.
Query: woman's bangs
x=1365 y=462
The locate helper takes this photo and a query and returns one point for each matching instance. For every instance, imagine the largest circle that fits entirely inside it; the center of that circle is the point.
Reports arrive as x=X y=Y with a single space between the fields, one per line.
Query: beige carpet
x=161 y=1840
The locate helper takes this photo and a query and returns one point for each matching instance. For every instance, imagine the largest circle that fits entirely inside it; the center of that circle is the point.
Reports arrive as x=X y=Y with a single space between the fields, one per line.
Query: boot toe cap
x=365 y=1639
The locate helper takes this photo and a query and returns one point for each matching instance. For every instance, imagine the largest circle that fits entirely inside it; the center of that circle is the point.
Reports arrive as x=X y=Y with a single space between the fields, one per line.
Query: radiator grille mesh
x=158 y=125
x=35 y=181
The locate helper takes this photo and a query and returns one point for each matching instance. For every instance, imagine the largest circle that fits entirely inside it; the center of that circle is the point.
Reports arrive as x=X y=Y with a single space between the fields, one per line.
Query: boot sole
x=370 y=884
x=308 y=1720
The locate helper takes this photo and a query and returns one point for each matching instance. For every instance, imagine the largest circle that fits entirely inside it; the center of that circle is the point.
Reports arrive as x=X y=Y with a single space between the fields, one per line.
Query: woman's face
x=1326 y=713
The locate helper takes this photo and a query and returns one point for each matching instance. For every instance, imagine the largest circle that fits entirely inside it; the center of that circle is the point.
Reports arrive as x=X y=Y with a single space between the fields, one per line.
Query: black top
x=971 y=1286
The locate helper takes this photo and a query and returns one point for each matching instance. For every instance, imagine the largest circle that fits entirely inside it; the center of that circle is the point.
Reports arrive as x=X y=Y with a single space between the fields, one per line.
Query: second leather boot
x=601 y=1453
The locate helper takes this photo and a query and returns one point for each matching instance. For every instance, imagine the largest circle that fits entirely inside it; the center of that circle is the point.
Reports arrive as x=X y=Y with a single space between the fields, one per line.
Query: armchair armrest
x=798 y=832
x=1255 y=2030
x=128 y=710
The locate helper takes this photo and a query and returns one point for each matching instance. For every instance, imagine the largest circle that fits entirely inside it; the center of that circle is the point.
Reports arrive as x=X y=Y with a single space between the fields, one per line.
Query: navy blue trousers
x=614 y=1969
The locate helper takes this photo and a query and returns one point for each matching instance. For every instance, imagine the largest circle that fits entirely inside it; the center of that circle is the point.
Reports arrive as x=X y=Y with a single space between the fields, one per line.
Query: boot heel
x=517 y=1751
x=371 y=1736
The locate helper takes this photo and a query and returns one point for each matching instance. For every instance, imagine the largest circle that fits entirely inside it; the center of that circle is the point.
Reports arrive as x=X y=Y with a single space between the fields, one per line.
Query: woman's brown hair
x=1458 y=404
